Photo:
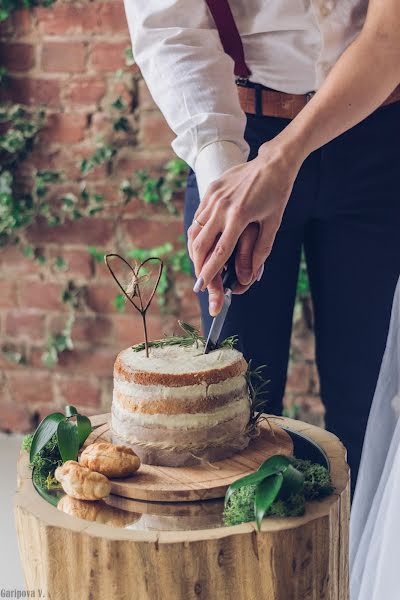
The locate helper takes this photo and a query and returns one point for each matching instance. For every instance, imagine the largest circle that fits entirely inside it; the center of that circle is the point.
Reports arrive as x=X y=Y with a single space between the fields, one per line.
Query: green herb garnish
x=240 y=506
x=56 y=440
x=191 y=338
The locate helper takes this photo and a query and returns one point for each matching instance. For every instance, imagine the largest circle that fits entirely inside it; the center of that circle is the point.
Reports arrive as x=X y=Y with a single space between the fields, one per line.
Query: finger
x=197 y=226
x=263 y=245
x=244 y=254
x=221 y=253
x=215 y=295
x=208 y=198
x=204 y=243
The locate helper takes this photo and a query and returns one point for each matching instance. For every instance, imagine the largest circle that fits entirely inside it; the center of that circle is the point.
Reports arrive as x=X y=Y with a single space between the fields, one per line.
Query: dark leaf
x=275 y=464
x=68 y=441
x=266 y=492
x=70 y=410
x=44 y=432
x=84 y=428
x=293 y=482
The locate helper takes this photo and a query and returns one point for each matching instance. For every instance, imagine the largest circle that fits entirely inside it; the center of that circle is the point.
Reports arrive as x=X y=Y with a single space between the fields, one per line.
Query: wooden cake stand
x=125 y=551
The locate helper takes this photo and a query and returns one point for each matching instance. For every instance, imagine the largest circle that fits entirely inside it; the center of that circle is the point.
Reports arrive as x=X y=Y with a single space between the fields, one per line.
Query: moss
x=317 y=484
x=317 y=481
x=45 y=462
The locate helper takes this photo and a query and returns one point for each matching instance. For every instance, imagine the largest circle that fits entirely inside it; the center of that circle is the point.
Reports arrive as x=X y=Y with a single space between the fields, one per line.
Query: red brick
x=19 y=23
x=299 y=376
x=100 y=17
x=188 y=305
x=100 y=296
x=17 y=56
x=146 y=101
x=92 y=330
x=91 y=231
x=154 y=130
x=8 y=296
x=131 y=159
x=63 y=57
x=32 y=91
x=303 y=342
x=30 y=387
x=25 y=324
x=80 y=263
x=86 y=91
x=107 y=57
x=13 y=262
x=15 y=418
x=145 y=233
x=96 y=361
x=40 y=294
x=129 y=328
x=78 y=391
x=66 y=128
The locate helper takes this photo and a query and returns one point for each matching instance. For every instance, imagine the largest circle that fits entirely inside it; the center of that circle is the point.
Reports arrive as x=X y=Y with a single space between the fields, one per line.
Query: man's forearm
x=364 y=76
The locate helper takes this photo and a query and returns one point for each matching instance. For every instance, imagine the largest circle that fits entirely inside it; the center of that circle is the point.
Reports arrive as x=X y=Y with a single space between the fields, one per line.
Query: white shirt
x=289 y=45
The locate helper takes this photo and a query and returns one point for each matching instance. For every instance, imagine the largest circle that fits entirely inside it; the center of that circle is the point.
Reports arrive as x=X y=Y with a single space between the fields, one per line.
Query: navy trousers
x=345 y=212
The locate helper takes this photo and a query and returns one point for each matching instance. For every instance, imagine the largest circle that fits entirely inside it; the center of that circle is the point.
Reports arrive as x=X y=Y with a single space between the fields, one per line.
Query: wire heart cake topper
x=133 y=291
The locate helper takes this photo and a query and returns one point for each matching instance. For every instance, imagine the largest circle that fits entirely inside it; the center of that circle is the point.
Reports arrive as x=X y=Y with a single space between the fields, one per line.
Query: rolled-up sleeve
x=190 y=77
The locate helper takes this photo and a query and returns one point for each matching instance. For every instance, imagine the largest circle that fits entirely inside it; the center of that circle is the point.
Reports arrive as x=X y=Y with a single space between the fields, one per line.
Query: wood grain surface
x=201 y=482
x=303 y=558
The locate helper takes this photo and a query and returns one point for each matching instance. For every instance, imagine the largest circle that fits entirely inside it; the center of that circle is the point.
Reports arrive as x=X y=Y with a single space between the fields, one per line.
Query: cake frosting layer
x=153 y=399
x=176 y=366
x=179 y=406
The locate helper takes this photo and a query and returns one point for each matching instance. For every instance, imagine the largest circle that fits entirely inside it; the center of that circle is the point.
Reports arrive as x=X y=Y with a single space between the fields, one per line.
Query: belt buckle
x=242 y=81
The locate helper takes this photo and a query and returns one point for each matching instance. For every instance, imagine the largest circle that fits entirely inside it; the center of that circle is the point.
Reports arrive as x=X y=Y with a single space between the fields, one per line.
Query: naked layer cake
x=179 y=406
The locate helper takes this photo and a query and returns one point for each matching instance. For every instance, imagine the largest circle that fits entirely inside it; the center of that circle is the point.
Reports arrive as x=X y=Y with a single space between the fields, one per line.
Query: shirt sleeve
x=191 y=79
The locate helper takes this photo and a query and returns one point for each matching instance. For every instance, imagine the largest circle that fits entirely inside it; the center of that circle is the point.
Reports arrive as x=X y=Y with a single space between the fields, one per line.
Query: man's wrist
x=216 y=158
x=283 y=151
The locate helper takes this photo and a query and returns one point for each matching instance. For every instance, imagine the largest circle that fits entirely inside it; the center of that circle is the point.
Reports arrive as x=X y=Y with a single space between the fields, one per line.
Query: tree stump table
x=138 y=550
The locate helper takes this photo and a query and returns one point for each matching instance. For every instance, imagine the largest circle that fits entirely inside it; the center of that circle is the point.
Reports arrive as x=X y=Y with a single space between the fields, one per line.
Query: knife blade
x=229 y=281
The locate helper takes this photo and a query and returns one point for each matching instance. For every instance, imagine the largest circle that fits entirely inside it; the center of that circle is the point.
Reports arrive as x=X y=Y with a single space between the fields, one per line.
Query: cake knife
x=229 y=281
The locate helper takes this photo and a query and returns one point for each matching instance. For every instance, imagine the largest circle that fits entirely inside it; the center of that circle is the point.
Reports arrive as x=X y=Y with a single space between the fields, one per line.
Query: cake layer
x=167 y=441
x=153 y=399
x=177 y=366
x=172 y=426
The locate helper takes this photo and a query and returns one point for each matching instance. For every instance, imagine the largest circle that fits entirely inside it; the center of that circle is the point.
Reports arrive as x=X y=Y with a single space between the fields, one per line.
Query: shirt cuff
x=214 y=159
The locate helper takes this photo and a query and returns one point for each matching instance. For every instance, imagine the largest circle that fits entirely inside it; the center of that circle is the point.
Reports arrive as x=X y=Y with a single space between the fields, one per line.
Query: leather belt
x=259 y=100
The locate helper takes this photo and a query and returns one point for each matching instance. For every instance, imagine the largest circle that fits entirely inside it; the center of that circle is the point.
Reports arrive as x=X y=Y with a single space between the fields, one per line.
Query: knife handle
x=229 y=278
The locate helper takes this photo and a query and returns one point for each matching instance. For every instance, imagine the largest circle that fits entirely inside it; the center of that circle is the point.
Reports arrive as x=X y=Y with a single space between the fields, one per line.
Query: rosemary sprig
x=257 y=389
x=191 y=338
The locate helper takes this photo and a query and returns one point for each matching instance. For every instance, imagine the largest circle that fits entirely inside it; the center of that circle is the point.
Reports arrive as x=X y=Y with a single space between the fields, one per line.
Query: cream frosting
x=190 y=392
x=178 y=359
x=123 y=420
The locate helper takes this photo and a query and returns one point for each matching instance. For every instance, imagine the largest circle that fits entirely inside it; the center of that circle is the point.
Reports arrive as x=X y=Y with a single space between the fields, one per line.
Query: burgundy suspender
x=229 y=35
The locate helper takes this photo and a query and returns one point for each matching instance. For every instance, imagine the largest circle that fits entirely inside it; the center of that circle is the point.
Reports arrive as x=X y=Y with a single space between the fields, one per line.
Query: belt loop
x=258 y=99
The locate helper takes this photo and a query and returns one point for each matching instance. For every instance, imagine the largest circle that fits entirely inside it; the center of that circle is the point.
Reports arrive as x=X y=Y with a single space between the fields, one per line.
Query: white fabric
x=290 y=45
x=375 y=515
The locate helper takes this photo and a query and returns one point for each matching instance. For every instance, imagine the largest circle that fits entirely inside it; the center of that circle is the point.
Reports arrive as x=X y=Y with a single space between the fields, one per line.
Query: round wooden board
x=201 y=482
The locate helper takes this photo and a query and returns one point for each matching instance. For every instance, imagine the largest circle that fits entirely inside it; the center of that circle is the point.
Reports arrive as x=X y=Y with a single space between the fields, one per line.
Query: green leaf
x=70 y=410
x=293 y=482
x=68 y=441
x=96 y=253
x=84 y=428
x=44 y=432
x=266 y=492
x=272 y=466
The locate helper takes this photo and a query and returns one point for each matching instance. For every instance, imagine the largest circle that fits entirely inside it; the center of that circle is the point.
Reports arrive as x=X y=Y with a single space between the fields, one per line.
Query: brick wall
x=70 y=57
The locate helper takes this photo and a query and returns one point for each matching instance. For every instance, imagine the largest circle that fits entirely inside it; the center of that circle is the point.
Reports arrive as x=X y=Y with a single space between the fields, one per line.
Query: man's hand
x=245 y=207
